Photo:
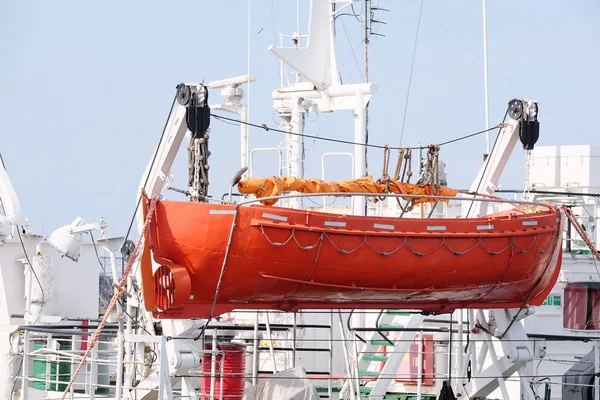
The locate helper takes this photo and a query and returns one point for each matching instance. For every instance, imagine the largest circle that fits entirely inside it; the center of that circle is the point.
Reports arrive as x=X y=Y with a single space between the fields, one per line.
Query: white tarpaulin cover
x=291 y=384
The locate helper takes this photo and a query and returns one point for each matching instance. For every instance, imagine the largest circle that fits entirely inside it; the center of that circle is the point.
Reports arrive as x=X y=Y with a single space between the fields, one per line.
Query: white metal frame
x=323 y=92
x=265 y=149
x=335 y=154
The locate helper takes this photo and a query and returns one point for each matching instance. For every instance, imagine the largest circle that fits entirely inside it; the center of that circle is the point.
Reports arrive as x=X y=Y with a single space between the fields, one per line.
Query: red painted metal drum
x=234 y=369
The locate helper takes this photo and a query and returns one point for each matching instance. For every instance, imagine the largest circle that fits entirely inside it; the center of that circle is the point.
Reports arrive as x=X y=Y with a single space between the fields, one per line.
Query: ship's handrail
x=56 y=365
x=472 y=198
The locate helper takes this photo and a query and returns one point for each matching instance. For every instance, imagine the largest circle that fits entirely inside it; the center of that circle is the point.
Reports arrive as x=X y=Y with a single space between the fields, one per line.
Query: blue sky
x=85 y=88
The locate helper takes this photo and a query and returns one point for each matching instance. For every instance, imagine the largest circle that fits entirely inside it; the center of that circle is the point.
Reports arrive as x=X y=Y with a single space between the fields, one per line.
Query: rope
x=377 y=146
x=430 y=175
x=399 y=164
x=115 y=297
x=404 y=242
x=407 y=171
x=580 y=231
x=404 y=157
x=385 y=177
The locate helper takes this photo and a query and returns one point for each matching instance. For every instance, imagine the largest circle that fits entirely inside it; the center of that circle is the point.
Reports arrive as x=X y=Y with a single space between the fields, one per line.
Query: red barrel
x=234 y=368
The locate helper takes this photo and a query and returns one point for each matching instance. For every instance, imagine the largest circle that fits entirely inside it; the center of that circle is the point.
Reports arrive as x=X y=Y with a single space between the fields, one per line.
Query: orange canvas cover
x=276 y=186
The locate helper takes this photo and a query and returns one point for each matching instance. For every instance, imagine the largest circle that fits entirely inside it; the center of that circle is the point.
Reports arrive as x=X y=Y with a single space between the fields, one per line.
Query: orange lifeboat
x=214 y=258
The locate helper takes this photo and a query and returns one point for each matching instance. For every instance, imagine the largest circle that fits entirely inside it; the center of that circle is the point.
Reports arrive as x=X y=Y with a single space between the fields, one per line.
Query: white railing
x=51 y=355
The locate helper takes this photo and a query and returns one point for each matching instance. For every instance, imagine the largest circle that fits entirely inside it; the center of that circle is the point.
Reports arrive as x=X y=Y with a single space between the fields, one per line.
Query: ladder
x=294 y=348
x=368 y=355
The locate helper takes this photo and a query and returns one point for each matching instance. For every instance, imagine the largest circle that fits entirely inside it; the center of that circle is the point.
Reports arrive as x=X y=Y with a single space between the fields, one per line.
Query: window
x=581 y=309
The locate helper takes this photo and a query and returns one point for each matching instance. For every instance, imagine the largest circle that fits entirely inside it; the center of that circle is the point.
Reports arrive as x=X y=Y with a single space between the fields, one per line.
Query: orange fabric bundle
x=276 y=186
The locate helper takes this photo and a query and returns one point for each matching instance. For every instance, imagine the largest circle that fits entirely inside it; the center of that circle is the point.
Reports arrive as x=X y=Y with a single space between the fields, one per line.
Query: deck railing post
x=597 y=369
x=420 y=365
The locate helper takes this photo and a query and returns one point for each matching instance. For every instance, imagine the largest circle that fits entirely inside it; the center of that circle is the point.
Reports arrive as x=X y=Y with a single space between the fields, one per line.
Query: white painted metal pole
x=323 y=178
x=113 y=265
x=297 y=34
x=119 y=383
x=120 y=336
x=26 y=363
x=481 y=359
x=354 y=345
x=420 y=365
x=294 y=330
x=498 y=368
x=296 y=153
x=129 y=367
x=255 y=353
x=473 y=353
x=281 y=72
x=297 y=143
x=360 y=160
x=74 y=342
x=596 y=227
x=597 y=370
x=165 y=389
x=213 y=365
x=221 y=378
x=460 y=349
x=94 y=372
x=244 y=139
x=245 y=111
x=330 y=360
x=347 y=358
x=248 y=82
x=298 y=17
x=485 y=80
x=28 y=289
x=271 y=343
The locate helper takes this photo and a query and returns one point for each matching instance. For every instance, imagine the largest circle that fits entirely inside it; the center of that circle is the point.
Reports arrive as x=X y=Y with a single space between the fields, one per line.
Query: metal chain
x=198 y=168
x=430 y=174
x=203 y=165
x=435 y=166
x=407 y=172
x=526 y=189
x=194 y=189
x=191 y=163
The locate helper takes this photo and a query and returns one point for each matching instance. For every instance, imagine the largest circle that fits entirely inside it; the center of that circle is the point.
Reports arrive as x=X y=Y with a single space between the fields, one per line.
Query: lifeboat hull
x=216 y=258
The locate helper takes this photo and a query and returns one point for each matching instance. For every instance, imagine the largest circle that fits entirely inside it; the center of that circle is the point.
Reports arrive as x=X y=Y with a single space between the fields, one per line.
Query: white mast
x=322 y=90
x=485 y=83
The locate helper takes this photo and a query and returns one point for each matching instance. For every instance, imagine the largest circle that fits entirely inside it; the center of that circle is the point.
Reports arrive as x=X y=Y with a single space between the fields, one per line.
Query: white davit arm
x=159 y=168
x=153 y=181
x=522 y=125
x=10 y=204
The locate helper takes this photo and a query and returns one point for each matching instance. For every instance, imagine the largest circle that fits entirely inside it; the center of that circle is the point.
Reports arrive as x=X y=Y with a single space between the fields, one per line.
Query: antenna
x=485 y=84
x=369 y=20
x=372 y=20
x=367 y=34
